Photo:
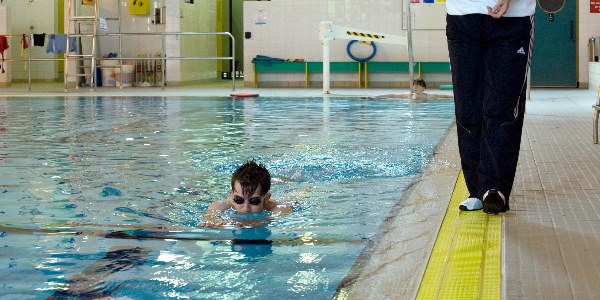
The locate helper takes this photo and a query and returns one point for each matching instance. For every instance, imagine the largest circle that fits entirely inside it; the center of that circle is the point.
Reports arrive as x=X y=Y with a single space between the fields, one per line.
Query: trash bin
x=127 y=79
x=98 y=76
x=109 y=76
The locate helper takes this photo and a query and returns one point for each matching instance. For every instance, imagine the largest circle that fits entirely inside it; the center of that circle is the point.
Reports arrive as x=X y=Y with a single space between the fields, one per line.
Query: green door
x=554 y=62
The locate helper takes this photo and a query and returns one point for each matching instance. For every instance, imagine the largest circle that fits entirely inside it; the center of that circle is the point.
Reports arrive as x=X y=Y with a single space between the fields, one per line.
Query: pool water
x=101 y=196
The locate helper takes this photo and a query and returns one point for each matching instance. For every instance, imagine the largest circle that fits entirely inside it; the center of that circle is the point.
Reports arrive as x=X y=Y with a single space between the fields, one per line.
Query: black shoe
x=505 y=208
x=493 y=202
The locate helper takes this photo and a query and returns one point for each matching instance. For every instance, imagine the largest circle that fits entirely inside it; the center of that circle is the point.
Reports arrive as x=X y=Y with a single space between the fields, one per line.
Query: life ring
x=365 y=59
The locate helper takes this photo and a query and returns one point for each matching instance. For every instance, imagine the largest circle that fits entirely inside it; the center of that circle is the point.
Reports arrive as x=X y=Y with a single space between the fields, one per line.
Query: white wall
x=589 y=26
x=180 y=17
x=292 y=32
x=40 y=16
x=594 y=72
x=129 y=24
x=5 y=78
x=198 y=17
x=292 y=27
x=32 y=17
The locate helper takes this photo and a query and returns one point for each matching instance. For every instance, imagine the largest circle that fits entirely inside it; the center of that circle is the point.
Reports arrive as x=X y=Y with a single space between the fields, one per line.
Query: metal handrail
x=29 y=59
x=165 y=58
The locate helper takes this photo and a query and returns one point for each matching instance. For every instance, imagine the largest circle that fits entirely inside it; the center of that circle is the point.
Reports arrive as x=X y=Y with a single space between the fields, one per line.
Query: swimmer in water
x=419 y=87
x=250 y=185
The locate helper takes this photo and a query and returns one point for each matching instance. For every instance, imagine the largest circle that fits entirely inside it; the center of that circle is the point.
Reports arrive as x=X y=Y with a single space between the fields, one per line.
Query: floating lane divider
x=466 y=259
x=243 y=95
x=259 y=235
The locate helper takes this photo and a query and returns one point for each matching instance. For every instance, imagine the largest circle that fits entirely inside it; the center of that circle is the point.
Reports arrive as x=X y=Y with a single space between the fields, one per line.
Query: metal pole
x=593 y=49
x=411 y=62
x=94 y=51
x=326 y=70
x=231 y=41
x=29 y=62
x=66 y=68
x=164 y=64
x=233 y=60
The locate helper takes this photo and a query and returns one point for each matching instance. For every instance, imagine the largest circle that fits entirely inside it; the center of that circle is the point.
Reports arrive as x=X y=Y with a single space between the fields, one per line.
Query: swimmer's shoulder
x=277 y=207
x=219 y=206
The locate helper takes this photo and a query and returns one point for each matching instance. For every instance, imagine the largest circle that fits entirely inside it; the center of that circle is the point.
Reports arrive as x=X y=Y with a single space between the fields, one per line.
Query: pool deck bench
x=361 y=69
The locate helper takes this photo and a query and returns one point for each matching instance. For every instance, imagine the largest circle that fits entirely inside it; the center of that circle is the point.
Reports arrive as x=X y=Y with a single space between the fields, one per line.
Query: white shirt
x=517 y=8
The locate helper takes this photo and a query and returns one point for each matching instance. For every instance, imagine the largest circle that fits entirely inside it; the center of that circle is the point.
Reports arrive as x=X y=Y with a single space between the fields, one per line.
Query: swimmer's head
x=419 y=85
x=250 y=185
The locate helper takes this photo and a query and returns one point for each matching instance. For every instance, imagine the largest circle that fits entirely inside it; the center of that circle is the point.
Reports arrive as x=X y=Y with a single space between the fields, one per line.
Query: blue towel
x=57 y=43
x=266 y=60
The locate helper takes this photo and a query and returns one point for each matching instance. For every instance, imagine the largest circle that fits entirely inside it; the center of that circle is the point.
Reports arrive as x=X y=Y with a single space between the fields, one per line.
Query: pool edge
x=392 y=264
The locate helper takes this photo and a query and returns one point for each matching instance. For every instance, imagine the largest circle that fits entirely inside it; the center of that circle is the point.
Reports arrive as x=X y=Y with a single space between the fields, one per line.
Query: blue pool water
x=89 y=184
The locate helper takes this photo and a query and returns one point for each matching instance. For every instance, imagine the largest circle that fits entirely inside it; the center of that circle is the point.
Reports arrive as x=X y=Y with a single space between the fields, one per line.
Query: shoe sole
x=464 y=208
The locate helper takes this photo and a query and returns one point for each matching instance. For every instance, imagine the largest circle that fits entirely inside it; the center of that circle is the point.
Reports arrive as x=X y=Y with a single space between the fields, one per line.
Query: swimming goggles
x=240 y=200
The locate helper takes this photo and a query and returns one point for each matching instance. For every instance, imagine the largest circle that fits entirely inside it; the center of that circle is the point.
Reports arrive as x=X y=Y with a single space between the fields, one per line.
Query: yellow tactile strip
x=466 y=259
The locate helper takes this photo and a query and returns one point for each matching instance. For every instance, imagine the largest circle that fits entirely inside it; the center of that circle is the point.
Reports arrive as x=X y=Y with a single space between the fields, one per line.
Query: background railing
x=29 y=59
x=120 y=58
x=594 y=45
x=165 y=57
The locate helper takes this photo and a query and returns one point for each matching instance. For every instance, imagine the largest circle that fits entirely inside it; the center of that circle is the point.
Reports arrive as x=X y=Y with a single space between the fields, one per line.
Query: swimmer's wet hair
x=420 y=82
x=252 y=175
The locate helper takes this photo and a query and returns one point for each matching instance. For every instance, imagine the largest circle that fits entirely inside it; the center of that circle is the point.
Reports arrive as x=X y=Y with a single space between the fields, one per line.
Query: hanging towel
x=24 y=46
x=57 y=43
x=3 y=46
x=72 y=44
x=38 y=39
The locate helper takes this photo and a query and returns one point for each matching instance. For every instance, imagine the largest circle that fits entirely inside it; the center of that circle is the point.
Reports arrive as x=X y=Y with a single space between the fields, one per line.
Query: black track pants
x=489 y=59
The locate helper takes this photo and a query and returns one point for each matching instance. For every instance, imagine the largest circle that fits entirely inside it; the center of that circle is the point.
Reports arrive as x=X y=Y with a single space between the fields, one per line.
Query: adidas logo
x=521 y=51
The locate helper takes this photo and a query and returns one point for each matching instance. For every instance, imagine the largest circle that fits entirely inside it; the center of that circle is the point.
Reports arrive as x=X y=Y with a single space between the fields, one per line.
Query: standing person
x=490 y=45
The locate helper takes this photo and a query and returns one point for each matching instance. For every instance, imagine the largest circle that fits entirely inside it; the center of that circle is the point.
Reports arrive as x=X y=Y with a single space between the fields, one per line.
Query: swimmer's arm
x=281 y=210
x=277 y=208
x=402 y=96
x=439 y=96
x=277 y=211
x=211 y=218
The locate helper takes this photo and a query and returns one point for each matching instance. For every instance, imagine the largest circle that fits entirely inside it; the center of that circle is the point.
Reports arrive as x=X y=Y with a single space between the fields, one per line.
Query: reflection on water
x=79 y=175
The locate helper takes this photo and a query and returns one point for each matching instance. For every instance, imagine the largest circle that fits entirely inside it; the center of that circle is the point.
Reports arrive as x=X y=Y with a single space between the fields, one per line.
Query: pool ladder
x=83 y=61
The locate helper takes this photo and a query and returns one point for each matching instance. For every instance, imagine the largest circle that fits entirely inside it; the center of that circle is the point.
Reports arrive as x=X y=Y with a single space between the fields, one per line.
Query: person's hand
x=209 y=224
x=499 y=9
x=213 y=223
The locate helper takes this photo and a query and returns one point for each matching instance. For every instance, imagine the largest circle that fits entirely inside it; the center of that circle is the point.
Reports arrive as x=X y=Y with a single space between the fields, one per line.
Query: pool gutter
x=392 y=264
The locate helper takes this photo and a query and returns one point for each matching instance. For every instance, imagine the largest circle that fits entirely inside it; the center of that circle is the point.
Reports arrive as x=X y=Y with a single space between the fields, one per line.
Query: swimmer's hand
x=212 y=224
x=213 y=220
